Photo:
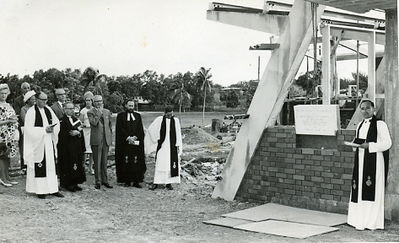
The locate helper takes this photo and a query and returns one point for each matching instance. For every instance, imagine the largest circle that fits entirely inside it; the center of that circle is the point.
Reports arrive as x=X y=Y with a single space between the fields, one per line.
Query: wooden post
x=371 y=66
x=326 y=68
x=392 y=112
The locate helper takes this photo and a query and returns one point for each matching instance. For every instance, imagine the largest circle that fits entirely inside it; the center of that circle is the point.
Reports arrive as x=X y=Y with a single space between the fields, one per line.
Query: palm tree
x=205 y=77
x=180 y=96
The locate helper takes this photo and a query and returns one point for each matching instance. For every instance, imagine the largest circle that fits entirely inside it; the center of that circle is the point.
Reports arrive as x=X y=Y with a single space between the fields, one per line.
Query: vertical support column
x=392 y=112
x=371 y=66
x=326 y=68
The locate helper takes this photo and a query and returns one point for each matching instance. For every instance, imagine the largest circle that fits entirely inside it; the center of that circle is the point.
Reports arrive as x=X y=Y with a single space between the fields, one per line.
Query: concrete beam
x=371 y=67
x=256 y=21
x=269 y=97
x=357 y=33
x=392 y=113
x=326 y=67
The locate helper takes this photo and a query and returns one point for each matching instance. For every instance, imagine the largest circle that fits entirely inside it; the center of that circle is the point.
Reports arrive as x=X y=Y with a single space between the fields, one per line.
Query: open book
x=355 y=143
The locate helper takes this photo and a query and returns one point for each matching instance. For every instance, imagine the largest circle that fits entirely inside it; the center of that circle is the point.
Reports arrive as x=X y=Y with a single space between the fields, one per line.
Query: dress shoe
x=77 y=188
x=41 y=196
x=5 y=183
x=137 y=185
x=13 y=182
x=153 y=187
x=97 y=186
x=57 y=194
x=107 y=185
x=169 y=187
x=70 y=188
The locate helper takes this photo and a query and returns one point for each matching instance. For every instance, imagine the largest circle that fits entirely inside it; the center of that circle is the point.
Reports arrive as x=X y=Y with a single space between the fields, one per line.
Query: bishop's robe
x=166 y=140
x=71 y=153
x=129 y=158
x=39 y=150
x=366 y=205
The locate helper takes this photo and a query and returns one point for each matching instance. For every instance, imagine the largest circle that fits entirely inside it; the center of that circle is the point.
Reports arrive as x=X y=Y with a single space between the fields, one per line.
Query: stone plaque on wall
x=317 y=119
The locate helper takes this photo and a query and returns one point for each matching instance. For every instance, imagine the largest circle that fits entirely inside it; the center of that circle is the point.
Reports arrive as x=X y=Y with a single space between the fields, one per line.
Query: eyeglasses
x=98 y=101
x=42 y=99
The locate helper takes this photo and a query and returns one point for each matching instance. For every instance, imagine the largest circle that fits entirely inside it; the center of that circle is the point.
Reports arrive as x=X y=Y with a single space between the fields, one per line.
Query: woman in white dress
x=88 y=96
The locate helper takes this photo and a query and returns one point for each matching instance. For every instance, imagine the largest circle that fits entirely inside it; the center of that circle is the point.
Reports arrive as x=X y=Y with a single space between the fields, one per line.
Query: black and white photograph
x=199 y=121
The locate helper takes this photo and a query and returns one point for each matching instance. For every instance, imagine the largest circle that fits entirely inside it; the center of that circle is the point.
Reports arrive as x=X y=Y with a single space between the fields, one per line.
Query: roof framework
x=358 y=6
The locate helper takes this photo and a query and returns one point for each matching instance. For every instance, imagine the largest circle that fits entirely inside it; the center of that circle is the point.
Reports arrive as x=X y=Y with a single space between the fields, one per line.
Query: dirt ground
x=129 y=214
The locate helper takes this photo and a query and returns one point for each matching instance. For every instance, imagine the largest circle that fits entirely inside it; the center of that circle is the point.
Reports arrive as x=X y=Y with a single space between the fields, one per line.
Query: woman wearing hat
x=8 y=127
x=88 y=96
x=29 y=101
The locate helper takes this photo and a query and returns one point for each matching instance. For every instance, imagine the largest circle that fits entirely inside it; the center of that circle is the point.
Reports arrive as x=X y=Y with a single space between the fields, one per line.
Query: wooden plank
x=326 y=67
x=268 y=99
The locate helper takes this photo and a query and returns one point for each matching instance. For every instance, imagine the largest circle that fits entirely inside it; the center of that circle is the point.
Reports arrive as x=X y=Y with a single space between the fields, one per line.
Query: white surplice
x=370 y=214
x=162 y=163
x=39 y=143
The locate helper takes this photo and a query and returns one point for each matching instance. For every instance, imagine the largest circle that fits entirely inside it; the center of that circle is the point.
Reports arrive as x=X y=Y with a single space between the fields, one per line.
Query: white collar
x=130 y=116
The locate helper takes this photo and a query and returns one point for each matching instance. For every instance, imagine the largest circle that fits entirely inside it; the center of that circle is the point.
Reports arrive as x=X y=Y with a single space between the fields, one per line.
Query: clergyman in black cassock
x=71 y=149
x=129 y=147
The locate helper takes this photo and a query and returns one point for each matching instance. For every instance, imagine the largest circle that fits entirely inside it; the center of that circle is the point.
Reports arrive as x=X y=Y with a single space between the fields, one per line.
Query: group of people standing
x=55 y=142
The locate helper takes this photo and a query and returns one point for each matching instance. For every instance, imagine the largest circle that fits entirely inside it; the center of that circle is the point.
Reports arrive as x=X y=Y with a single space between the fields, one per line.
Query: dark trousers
x=21 y=147
x=100 y=159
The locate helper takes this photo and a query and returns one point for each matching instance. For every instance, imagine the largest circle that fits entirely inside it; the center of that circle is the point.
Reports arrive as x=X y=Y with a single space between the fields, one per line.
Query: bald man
x=40 y=138
x=100 y=140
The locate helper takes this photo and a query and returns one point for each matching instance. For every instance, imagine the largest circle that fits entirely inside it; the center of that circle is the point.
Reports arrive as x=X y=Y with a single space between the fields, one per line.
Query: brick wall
x=312 y=178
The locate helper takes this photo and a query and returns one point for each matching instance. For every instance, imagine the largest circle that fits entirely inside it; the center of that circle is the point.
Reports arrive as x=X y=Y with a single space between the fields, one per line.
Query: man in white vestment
x=164 y=136
x=366 y=205
x=41 y=129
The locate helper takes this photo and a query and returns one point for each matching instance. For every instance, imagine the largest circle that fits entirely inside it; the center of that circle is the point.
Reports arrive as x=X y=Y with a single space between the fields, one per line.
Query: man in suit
x=19 y=101
x=100 y=139
x=57 y=106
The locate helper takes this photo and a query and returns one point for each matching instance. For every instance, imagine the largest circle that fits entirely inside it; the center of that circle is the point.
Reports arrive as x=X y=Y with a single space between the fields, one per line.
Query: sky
x=125 y=37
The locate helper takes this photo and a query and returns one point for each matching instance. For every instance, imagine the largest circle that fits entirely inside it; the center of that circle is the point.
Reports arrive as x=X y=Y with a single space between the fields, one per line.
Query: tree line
x=186 y=91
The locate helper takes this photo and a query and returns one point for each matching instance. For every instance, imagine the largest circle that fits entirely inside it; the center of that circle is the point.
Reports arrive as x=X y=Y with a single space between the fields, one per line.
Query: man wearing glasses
x=100 y=140
x=57 y=106
x=40 y=137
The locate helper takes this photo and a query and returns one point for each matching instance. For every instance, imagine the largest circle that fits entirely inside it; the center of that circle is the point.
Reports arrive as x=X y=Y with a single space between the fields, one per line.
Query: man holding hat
x=100 y=140
x=57 y=106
